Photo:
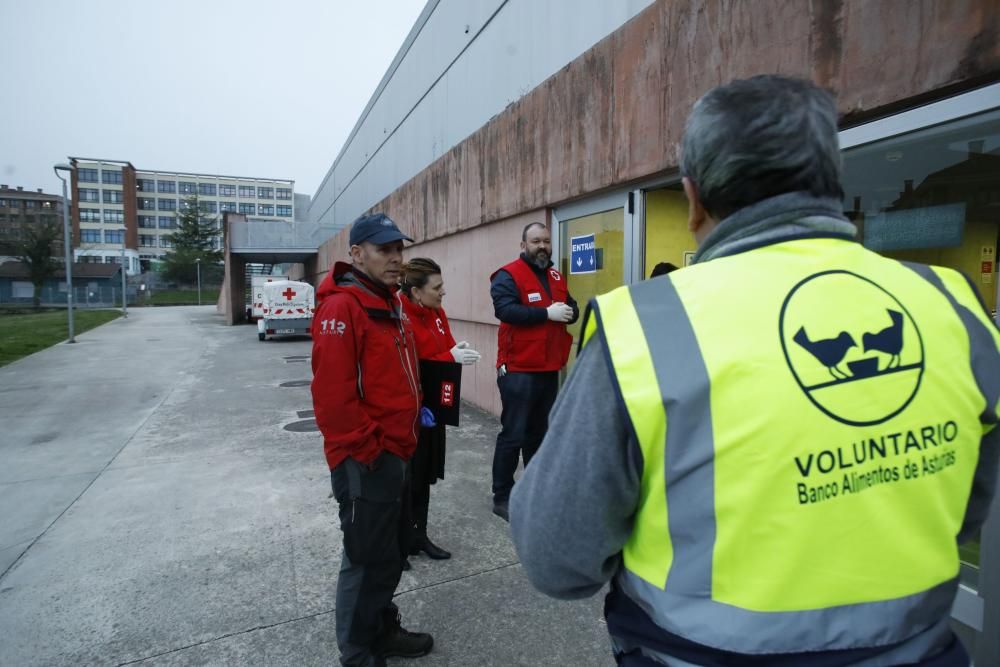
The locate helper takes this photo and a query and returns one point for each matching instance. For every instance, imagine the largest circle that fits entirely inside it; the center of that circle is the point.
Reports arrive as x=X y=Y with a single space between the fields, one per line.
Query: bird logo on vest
x=841 y=332
x=554 y=274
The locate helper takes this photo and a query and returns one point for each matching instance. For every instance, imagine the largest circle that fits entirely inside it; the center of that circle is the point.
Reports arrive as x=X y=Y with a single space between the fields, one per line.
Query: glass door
x=592 y=249
x=931 y=194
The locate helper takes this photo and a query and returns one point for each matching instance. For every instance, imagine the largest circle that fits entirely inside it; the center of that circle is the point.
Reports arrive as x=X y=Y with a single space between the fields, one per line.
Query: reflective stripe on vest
x=782 y=511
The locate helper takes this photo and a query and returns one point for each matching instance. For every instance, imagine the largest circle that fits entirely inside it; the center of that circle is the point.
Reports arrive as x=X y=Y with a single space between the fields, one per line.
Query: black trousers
x=527 y=399
x=376 y=533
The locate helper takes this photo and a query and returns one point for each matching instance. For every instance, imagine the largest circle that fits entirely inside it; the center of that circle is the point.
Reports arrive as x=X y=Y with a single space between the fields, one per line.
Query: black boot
x=421 y=505
x=433 y=551
x=395 y=641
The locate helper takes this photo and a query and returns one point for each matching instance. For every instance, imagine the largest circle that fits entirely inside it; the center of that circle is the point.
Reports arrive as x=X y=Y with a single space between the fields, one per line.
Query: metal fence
x=103 y=296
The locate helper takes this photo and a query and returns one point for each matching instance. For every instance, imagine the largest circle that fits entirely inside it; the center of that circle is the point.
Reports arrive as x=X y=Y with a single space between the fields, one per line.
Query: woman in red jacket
x=420 y=292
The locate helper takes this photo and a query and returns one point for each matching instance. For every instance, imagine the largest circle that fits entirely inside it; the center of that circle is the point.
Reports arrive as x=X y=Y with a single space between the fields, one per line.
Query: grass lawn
x=178 y=298
x=24 y=333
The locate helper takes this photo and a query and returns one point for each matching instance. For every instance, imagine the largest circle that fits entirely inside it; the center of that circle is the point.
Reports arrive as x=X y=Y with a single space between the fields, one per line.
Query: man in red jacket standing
x=366 y=397
x=533 y=304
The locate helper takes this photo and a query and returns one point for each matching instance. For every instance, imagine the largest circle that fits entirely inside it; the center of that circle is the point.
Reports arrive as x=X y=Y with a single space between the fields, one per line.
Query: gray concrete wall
x=464 y=62
x=616 y=114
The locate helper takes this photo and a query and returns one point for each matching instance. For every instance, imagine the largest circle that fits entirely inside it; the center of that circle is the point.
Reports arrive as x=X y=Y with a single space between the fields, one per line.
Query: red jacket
x=430 y=326
x=534 y=347
x=366 y=384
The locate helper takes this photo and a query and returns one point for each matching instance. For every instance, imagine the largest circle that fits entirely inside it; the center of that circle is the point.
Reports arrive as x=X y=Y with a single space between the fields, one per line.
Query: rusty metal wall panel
x=469 y=61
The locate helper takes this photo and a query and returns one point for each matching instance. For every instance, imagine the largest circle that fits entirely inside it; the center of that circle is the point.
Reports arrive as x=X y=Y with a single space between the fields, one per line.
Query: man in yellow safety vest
x=773 y=454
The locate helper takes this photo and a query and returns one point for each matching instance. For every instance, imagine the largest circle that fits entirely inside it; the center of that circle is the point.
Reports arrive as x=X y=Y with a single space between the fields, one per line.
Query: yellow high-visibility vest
x=809 y=416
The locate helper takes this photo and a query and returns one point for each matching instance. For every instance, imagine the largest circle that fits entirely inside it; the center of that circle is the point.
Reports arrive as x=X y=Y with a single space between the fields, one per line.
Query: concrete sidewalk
x=154 y=510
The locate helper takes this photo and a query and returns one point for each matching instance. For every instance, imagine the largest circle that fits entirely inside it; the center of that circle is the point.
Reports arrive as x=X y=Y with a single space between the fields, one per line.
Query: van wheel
x=260 y=336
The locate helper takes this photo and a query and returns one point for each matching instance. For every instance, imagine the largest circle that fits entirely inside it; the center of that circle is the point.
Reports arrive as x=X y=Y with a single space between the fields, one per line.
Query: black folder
x=442 y=385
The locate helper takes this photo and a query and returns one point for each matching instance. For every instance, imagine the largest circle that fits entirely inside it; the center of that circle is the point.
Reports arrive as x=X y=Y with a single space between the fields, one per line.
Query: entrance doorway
x=592 y=249
x=667 y=239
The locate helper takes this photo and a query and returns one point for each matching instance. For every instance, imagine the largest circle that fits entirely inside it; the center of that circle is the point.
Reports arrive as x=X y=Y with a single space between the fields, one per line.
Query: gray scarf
x=792 y=214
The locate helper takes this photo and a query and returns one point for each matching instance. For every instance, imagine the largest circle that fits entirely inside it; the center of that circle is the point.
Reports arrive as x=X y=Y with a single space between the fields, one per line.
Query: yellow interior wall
x=966 y=258
x=667 y=235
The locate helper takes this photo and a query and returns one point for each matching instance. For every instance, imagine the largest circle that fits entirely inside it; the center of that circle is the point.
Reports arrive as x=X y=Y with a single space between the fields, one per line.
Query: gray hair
x=760 y=137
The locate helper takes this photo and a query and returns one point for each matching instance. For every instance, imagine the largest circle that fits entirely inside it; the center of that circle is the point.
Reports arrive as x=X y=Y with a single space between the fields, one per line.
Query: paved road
x=154 y=511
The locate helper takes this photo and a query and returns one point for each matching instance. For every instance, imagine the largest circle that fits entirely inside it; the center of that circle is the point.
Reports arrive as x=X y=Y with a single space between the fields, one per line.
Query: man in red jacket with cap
x=533 y=304
x=366 y=397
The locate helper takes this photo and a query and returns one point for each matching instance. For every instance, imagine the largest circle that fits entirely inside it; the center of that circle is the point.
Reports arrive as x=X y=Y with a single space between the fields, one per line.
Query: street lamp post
x=197 y=263
x=66 y=249
x=124 y=288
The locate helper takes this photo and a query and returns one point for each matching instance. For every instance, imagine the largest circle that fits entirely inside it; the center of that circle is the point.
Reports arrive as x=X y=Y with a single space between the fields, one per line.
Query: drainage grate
x=297 y=357
x=304 y=426
x=296 y=383
x=303 y=414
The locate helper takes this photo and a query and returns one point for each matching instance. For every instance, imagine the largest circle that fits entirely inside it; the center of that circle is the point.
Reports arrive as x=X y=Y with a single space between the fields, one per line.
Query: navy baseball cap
x=377 y=228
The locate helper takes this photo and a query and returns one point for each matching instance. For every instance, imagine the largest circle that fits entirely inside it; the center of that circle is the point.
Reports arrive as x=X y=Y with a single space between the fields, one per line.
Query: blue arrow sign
x=583 y=254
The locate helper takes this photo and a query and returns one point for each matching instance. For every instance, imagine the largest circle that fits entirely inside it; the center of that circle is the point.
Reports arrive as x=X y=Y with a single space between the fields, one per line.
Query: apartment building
x=120 y=206
x=20 y=209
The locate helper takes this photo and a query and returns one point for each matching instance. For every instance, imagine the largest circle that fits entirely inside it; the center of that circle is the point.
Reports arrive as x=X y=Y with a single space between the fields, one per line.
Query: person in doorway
x=791 y=490
x=662 y=269
x=533 y=304
x=366 y=397
x=421 y=290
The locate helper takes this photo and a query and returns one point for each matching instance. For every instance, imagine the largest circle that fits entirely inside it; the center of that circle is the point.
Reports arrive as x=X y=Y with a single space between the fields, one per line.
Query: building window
x=188 y=188
x=147 y=221
x=111 y=177
x=265 y=209
x=147 y=204
x=145 y=185
x=110 y=215
x=165 y=242
x=166 y=204
x=112 y=259
x=3 y=203
x=113 y=197
x=147 y=240
x=86 y=175
x=284 y=193
x=90 y=215
x=248 y=191
x=166 y=186
x=284 y=211
x=114 y=236
x=186 y=205
x=30 y=203
x=265 y=193
x=90 y=236
x=206 y=189
x=166 y=222
x=925 y=197
x=227 y=190
x=247 y=209
x=46 y=204
x=88 y=194
x=208 y=206
x=227 y=206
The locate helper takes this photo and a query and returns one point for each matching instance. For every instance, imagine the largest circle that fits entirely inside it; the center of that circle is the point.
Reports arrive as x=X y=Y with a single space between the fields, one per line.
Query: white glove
x=559 y=312
x=463 y=354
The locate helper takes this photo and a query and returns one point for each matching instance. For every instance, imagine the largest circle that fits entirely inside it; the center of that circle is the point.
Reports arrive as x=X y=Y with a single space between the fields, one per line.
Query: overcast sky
x=238 y=87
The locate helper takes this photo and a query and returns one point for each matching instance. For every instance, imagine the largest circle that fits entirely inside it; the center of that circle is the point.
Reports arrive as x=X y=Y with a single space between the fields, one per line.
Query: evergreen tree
x=194 y=239
x=37 y=246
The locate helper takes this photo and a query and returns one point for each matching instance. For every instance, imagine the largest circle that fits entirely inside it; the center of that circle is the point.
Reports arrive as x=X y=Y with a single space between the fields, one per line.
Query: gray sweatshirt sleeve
x=573 y=508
